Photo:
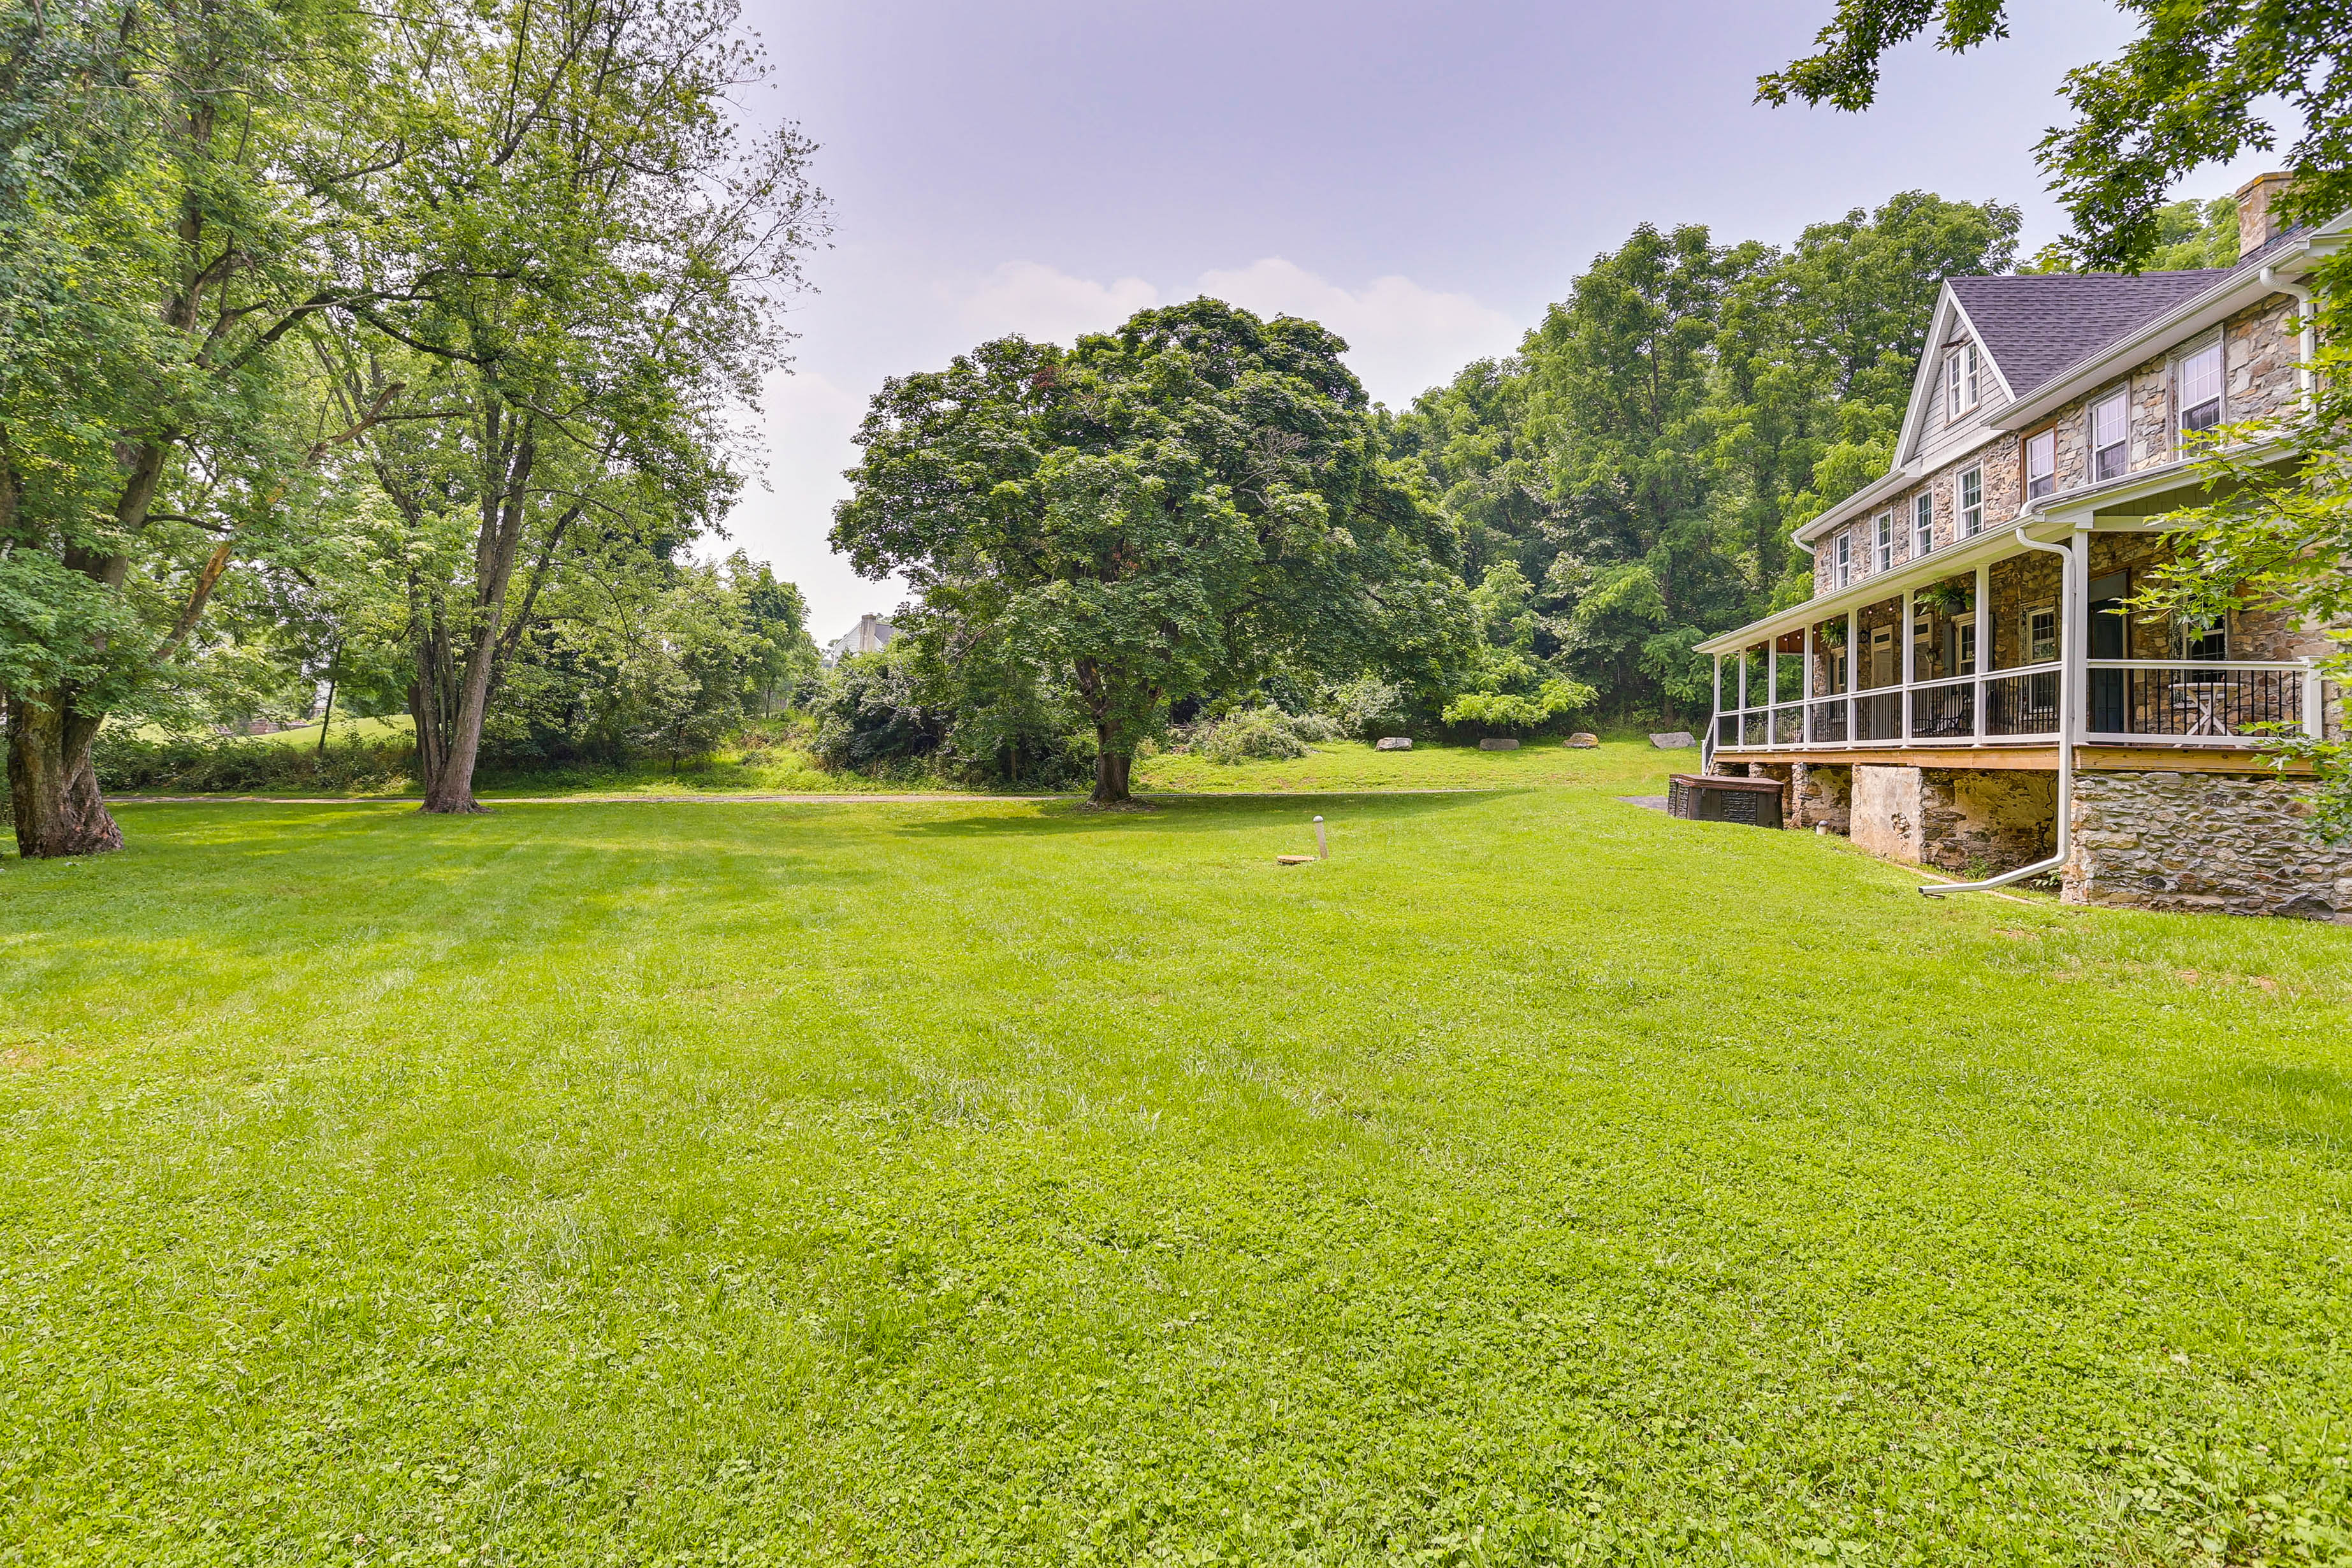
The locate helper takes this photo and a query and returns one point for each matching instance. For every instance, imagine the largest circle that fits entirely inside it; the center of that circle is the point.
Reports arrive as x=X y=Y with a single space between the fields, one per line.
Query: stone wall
x=2236 y=843
x=1969 y=821
x=1821 y=796
x=1986 y=820
x=2259 y=376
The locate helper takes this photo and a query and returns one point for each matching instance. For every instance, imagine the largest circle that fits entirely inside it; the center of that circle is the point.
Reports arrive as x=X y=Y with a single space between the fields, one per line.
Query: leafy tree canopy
x=1185 y=506
x=2194 y=88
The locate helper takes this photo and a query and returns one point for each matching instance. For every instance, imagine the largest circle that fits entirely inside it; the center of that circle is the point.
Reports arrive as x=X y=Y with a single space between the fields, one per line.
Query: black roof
x=2037 y=324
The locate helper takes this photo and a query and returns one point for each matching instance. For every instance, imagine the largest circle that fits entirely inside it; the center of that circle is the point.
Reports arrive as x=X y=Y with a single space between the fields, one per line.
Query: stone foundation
x=1968 y=821
x=1822 y=796
x=2236 y=843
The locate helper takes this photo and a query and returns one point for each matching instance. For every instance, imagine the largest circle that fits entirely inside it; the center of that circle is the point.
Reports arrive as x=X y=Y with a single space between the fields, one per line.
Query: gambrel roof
x=2036 y=324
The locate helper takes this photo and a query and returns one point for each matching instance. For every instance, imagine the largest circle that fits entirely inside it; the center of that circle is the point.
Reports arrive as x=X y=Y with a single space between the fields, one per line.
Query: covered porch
x=1970 y=652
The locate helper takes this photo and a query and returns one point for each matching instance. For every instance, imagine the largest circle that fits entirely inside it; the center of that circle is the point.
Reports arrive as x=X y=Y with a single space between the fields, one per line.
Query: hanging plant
x=1834 y=633
x=1944 y=599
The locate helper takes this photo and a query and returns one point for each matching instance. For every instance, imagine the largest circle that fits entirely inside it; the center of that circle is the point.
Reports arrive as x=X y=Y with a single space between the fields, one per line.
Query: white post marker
x=1322 y=844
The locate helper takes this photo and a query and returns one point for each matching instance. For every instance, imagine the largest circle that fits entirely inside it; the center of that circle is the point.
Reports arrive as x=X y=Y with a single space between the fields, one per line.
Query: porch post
x=1910 y=645
x=1853 y=667
x=1805 y=714
x=2314 y=702
x=1715 y=718
x=1984 y=639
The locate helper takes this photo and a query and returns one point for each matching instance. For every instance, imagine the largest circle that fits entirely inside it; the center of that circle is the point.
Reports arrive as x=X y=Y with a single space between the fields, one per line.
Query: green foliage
x=871 y=716
x=2195 y=87
x=1264 y=735
x=1643 y=458
x=1368 y=709
x=987 y=1182
x=1181 y=508
x=195 y=766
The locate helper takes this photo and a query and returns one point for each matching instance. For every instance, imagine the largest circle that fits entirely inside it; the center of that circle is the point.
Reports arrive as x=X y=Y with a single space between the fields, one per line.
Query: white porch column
x=1984 y=640
x=1805 y=714
x=1853 y=667
x=1910 y=645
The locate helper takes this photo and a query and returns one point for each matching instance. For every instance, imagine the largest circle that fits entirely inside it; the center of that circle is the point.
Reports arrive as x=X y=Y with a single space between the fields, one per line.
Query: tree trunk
x=1110 y=772
x=52 y=787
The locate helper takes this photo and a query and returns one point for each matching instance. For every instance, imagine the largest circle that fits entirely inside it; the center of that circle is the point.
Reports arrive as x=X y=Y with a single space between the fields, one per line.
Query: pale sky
x=1422 y=178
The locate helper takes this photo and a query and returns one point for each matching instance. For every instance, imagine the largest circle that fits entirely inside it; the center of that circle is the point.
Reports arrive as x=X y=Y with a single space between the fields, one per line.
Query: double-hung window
x=1882 y=552
x=1971 y=502
x=2040 y=464
x=1960 y=382
x=2111 y=436
x=2041 y=635
x=1845 y=561
x=1923 y=522
x=2200 y=387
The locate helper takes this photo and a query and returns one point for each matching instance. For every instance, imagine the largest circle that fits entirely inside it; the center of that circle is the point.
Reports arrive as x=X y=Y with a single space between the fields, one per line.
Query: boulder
x=1393 y=743
x=1584 y=741
x=1679 y=741
x=1498 y=745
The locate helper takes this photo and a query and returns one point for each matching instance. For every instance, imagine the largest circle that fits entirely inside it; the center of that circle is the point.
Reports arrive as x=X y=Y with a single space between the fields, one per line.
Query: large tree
x=607 y=249
x=168 y=176
x=1184 y=507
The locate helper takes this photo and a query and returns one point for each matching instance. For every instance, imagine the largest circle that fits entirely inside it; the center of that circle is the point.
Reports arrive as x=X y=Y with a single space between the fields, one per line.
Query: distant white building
x=871 y=635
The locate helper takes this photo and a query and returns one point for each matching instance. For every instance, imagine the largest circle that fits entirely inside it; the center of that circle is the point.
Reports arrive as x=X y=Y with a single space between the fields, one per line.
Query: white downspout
x=2307 y=340
x=2071 y=575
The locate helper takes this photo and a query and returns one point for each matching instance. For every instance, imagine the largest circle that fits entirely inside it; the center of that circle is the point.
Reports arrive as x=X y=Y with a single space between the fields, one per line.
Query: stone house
x=1965 y=690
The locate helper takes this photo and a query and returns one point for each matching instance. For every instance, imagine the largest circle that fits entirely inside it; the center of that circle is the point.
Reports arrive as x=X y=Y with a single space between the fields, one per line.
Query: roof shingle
x=2036 y=324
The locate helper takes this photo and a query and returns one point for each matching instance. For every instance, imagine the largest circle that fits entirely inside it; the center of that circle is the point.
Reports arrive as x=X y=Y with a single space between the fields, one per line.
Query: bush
x=1261 y=734
x=1368 y=709
x=868 y=717
x=206 y=764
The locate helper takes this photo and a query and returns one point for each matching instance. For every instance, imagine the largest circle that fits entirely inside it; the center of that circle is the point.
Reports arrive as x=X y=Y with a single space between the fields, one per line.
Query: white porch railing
x=2218 y=703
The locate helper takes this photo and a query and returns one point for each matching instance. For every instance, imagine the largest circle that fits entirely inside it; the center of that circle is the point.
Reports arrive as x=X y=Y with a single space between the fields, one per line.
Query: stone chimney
x=2257 y=224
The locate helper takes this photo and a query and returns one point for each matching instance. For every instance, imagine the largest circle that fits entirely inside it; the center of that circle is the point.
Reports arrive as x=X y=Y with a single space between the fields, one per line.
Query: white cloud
x=1401 y=338
x=1046 y=305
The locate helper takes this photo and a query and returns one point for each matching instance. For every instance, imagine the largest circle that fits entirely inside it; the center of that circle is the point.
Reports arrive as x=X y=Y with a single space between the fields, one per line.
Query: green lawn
x=1537 y=1179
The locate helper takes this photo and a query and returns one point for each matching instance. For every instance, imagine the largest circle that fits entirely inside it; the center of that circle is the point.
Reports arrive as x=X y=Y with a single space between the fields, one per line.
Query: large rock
x=1498 y=745
x=1584 y=741
x=1393 y=743
x=1678 y=740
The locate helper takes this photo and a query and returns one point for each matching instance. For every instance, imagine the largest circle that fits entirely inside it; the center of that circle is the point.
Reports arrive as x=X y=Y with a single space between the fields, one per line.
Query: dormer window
x=2040 y=464
x=2111 y=436
x=1960 y=382
x=2201 y=391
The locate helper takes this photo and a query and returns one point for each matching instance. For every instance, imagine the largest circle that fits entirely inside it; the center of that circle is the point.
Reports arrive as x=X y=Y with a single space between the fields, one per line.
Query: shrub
x=206 y=764
x=1368 y=709
x=869 y=717
x=1264 y=735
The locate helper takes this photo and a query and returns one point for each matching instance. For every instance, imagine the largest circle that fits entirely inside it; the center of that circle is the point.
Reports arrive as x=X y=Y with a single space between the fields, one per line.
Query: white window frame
x=1968 y=513
x=1883 y=543
x=1845 y=559
x=2182 y=409
x=2041 y=482
x=2120 y=400
x=1963 y=381
x=2026 y=633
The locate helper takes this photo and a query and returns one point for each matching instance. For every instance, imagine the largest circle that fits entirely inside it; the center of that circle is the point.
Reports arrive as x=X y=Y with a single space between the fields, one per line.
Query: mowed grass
x=1537 y=1179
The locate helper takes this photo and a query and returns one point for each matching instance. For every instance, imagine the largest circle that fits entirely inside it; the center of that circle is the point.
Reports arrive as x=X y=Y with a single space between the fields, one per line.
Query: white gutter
x=2069 y=713
x=2307 y=342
